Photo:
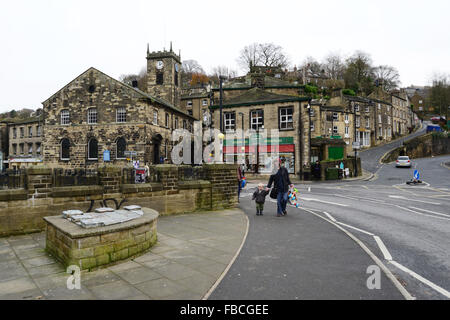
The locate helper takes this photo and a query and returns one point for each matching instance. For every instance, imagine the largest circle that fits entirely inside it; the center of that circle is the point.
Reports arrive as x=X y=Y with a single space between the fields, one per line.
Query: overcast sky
x=47 y=43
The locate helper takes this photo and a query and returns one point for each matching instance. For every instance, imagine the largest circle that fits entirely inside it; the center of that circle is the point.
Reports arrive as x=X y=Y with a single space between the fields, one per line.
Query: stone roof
x=256 y=96
x=141 y=93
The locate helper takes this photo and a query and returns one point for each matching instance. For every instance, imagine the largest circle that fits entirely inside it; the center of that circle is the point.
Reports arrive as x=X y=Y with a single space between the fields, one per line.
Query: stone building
x=25 y=142
x=255 y=113
x=95 y=119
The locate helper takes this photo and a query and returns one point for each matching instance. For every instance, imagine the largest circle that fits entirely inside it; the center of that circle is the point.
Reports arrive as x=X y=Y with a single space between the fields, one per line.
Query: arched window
x=65 y=149
x=121 y=146
x=93 y=149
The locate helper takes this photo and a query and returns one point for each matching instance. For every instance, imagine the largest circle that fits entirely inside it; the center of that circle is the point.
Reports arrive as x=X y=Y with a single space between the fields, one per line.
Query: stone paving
x=192 y=252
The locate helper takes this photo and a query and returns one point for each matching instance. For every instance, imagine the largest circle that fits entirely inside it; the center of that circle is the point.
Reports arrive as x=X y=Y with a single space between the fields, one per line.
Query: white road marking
x=403 y=198
x=422 y=279
x=346 y=225
x=423 y=214
x=429 y=211
x=329 y=216
x=383 y=248
x=358 y=198
x=317 y=200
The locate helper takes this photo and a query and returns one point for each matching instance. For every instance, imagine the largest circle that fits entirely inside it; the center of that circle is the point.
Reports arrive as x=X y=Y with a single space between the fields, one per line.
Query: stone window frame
x=347 y=130
x=155 y=117
x=30 y=148
x=38 y=130
x=204 y=102
x=189 y=103
x=117 y=148
x=22 y=132
x=92 y=115
x=229 y=124
x=30 y=131
x=312 y=127
x=285 y=118
x=65 y=117
x=335 y=129
x=159 y=78
x=335 y=116
x=121 y=114
x=167 y=120
x=38 y=148
x=89 y=149
x=358 y=121
x=259 y=124
x=14 y=147
x=176 y=123
x=367 y=122
x=22 y=148
x=61 y=150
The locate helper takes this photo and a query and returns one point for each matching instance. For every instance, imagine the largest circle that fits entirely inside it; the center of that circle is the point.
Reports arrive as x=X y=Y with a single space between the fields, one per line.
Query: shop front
x=259 y=154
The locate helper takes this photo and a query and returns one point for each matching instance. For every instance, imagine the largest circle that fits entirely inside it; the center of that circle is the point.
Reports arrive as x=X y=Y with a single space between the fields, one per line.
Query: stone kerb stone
x=92 y=248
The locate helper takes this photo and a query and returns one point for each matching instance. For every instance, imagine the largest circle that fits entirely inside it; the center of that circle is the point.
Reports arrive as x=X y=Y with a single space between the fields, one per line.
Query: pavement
x=300 y=257
x=192 y=253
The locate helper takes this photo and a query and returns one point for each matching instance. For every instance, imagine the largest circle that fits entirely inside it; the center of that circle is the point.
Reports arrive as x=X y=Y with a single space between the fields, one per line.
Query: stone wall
x=92 y=248
x=428 y=145
x=22 y=210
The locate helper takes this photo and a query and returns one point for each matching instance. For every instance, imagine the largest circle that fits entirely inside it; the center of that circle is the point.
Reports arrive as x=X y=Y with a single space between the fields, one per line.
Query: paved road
x=298 y=257
x=406 y=227
x=370 y=157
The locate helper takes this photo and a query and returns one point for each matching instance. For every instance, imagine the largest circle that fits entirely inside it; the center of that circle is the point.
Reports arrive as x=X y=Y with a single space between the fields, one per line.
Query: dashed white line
x=421 y=279
x=433 y=212
x=422 y=214
x=383 y=248
x=328 y=202
x=403 y=198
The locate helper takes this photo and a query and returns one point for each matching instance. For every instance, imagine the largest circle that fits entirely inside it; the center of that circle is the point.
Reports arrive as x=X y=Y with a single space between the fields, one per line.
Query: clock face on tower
x=159 y=65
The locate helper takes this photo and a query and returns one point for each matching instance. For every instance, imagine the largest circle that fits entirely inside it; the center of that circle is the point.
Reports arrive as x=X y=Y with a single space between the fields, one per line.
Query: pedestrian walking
x=281 y=183
x=239 y=178
x=260 y=198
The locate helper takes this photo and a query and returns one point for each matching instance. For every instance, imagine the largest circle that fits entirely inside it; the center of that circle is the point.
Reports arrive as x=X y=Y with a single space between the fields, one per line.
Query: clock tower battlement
x=164 y=75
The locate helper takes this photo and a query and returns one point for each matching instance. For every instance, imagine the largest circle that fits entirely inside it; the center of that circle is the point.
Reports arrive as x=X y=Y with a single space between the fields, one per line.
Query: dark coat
x=260 y=196
x=281 y=180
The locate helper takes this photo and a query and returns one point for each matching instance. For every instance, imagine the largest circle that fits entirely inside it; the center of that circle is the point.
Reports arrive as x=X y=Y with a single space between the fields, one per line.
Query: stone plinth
x=92 y=248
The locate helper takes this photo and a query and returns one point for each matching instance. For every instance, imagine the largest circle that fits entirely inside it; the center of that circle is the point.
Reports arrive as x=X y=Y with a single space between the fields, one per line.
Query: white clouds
x=45 y=43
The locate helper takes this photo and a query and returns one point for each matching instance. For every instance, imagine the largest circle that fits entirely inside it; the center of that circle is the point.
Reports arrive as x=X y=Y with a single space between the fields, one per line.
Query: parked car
x=403 y=161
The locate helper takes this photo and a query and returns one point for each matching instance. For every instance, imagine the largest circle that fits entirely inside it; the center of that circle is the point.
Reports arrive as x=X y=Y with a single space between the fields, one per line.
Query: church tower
x=164 y=75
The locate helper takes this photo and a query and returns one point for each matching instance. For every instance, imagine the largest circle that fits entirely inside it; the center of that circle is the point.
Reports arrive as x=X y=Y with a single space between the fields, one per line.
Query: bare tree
x=141 y=79
x=334 y=66
x=311 y=66
x=248 y=56
x=223 y=71
x=387 y=77
x=188 y=69
x=359 y=74
x=262 y=54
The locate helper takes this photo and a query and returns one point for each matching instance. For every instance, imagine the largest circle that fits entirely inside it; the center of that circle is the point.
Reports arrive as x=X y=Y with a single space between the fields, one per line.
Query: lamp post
x=221 y=78
x=355 y=147
x=243 y=141
x=309 y=116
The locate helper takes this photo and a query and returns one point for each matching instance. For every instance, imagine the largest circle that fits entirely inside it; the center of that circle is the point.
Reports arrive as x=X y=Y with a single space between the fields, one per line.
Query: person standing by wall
x=239 y=176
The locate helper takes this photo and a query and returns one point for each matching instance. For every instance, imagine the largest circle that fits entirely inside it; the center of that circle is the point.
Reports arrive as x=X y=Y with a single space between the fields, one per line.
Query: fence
x=12 y=179
x=74 y=177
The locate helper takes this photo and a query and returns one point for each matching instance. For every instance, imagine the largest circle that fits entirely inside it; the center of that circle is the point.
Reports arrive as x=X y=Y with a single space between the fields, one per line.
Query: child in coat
x=260 y=198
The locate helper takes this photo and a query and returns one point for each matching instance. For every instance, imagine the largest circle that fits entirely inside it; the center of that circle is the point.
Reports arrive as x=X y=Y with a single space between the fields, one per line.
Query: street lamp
x=221 y=78
x=243 y=141
x=309 y=116
x=355 y=147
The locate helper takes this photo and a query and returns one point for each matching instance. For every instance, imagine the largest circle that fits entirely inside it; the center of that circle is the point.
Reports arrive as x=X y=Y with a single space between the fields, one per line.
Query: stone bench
x=92 y=248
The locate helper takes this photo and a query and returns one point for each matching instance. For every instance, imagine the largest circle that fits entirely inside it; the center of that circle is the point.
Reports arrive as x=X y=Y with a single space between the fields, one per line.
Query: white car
x=403 y=161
